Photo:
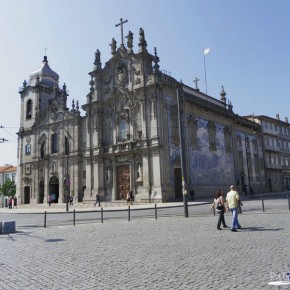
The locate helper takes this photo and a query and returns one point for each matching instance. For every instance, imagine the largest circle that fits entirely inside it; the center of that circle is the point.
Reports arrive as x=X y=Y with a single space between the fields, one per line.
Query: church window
x=27 y=149
x=211 y=136
x=123 y=129
x=228 y=143
x=66 y=146
x=54 y=148
x=28 y=109
x=108 y=132
x=192 y=130
x=175 y=127
x=42 y=150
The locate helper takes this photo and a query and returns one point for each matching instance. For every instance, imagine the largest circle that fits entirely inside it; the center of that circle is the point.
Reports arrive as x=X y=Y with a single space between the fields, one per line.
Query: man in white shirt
x=232 y=202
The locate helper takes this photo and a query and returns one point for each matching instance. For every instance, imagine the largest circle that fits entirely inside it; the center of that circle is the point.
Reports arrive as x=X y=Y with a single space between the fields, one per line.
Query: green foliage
x=8 y=188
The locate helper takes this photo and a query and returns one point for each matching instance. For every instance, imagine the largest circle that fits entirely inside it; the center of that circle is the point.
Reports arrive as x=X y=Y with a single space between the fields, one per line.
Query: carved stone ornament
x=122 y=158
x=26 y=180
x=122 y=74
x=28 y=139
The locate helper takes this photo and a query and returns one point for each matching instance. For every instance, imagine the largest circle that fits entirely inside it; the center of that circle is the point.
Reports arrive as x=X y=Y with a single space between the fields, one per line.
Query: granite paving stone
x=170 y=253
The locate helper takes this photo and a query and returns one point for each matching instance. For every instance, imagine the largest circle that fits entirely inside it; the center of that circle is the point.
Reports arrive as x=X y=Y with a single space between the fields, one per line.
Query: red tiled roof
x=7 y=168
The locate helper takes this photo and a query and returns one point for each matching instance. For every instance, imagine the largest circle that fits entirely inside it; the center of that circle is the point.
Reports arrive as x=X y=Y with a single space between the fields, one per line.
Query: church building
x=142 y=131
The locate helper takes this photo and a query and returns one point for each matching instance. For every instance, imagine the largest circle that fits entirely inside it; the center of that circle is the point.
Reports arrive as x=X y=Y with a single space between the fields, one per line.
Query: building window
x=192 y=130
x=54 y=148
x=211 y=127
x=228 y=137
x=7 y=177
x=84 y=174
x=42 y=150
x=123 y=129
x=27 y=149
x=13 y=176
x=28 y=109
x=108 y=132
x=66 y=146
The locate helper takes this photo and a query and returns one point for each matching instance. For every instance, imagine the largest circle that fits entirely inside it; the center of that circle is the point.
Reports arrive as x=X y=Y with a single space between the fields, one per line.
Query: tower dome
x=45 y=75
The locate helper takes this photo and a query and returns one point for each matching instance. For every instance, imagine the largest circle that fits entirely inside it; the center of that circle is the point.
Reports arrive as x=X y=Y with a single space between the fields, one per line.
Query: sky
x=249 y=45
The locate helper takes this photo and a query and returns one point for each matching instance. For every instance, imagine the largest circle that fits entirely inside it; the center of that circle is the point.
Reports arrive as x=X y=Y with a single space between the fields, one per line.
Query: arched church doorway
x=178 y=184
x=123 y=181
x=41 y=191
x=54 y=189
x=26 y=195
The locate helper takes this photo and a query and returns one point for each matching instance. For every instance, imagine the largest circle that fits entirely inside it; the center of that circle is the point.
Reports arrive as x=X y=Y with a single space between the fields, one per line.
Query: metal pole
x=74 y=217
x=263 y=203
x=183 y=171
x=45 y=219
x=128 y=213
x=288 y=201
x=204 y=72
x=249 y=182
x=102 y=215
x=155 y=211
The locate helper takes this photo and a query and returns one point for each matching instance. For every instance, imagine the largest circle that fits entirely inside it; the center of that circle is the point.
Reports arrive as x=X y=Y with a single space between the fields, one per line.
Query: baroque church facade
x=129 y=139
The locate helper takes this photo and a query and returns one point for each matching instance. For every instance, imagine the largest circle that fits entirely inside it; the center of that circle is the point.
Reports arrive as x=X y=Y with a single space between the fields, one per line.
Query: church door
x=26 y=194
x=123 y=181
x=54 y=189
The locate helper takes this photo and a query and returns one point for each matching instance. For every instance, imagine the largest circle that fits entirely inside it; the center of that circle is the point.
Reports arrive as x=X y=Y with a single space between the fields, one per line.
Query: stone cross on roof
x=121 y=24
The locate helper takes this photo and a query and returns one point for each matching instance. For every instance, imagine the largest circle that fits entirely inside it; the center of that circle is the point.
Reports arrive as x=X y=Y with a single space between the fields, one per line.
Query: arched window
x=27 y=149
x=108 y=132
x=123 y=129
x=66 y=146
x=28 y=109
x=42 y=150
x=54 y=147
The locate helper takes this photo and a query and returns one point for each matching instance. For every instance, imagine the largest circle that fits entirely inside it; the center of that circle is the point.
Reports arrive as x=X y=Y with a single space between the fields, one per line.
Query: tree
x=8 y=188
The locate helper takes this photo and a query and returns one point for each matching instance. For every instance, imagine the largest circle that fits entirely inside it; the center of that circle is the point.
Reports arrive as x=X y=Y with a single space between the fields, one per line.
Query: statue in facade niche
x=108 y=175
x=141 y=35
x=97 y=57
x=130 y=39
x=113 y=46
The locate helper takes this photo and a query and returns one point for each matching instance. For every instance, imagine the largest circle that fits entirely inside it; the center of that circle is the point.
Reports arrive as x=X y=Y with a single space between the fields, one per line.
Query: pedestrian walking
x=219 y=205
x=15 y=202
x=128 y=198
x=10 y=202
x=97 y=199
x=49 y=199
x=232 y=202
x=191 y=192
x=71 y=200
x=131 y=197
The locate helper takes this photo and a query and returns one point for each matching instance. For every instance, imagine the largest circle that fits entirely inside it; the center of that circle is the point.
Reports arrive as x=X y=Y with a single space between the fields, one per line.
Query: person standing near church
x=232 y=202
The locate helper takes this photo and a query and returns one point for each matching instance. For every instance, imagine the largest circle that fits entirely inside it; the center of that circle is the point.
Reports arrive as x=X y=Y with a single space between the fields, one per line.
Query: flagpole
x=204 y=71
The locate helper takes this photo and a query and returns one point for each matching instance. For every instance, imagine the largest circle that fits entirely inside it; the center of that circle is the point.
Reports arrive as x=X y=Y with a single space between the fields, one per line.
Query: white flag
x=206 y=51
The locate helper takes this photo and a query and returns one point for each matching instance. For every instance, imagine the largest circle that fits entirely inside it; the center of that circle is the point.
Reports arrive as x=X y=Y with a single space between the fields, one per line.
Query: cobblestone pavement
x=168 y=253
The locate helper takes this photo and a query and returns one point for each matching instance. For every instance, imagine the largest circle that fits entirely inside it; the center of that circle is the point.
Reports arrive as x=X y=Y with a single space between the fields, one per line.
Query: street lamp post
x=183 y=168
x=67 y=180
x=247 y=143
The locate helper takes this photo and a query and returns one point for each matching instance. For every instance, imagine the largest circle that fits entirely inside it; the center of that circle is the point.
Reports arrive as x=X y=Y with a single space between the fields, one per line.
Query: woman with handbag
x=219 y=206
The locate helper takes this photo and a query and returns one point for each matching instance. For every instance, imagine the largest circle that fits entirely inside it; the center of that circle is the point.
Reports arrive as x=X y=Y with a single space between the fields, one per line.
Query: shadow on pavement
x=261 y=229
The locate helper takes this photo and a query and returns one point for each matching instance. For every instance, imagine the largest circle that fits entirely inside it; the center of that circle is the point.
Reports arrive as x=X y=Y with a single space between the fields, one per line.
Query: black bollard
x=45 y=219
x=128 y=213
x=155 y=211
x=102 y=215
x=263 y=203
x=74 y=217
